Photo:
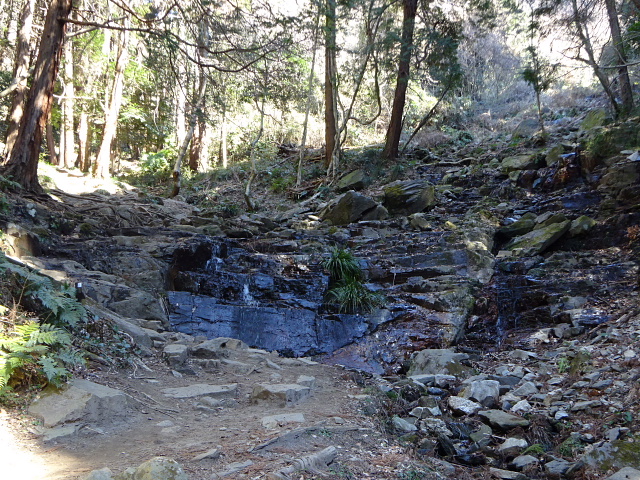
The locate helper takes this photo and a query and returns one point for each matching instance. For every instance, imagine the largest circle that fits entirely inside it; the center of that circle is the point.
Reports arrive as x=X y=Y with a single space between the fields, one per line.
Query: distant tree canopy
x=122 y=81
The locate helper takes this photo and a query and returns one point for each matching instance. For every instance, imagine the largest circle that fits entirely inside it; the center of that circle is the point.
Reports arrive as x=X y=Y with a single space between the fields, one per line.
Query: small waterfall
x=247 y=298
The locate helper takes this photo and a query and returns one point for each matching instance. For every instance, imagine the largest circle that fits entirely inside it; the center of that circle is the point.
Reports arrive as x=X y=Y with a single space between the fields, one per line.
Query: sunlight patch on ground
x=74 y=182
x=16 y=459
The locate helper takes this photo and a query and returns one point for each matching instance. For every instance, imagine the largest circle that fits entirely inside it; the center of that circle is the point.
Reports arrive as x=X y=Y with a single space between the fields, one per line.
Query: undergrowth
x=36 y=349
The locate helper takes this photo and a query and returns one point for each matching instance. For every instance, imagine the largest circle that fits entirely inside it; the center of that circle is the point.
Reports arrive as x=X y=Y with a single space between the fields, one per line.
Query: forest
x=112 y=87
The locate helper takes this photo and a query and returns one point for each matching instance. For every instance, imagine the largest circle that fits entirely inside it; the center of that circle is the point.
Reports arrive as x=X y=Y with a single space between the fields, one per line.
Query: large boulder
x=407 y=197
x=80 y=400
x=352 y=207
x=537 y=241
x=351 y=181
x=437 y=361
x=518 y=162
x=526 y=128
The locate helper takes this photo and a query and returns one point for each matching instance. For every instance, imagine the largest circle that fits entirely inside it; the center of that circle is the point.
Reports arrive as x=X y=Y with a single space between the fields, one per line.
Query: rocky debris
x=626 y=473
x=80 y=400
x=518 y=162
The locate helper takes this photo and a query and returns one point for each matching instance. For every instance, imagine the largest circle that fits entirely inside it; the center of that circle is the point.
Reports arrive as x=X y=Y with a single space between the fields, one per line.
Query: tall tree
x=103 y=160
x=67 y=132
x=22 y=164
x=20 y=74
x=626 y=93
x=332 y=136
x=409 y=10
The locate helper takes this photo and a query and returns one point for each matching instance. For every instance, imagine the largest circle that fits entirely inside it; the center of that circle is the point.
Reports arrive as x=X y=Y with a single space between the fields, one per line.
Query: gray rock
x=435 y=426
x=201 y=389
x=419 y=222
x=101 y=474
x=581 y=225
x=513 y=446
x=79 y=400
x=507 y=474
x=526 y=389
x=503 y=420
x=217 y=347
x=284 y=394
x=233 y=469
x=485 y=392
x=523 y=225
x=523 y=461
x=176 y=354
x=212 y=454
x=160 y=468
x=407 y=197
x=537 y=241
x=557 y=467
x=526 y=128
x=403 y=425
x=351 y=181
x=352 y=207
x=482 y=436
x=306 y=381
x=274 y=421
x=518 y=162
x=438 y=361
x=523 y=406
x=626 y=473
x=463 y=406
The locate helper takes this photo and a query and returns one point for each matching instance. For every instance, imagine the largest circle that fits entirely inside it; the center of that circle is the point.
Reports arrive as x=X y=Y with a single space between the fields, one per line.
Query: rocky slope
x=507 y=346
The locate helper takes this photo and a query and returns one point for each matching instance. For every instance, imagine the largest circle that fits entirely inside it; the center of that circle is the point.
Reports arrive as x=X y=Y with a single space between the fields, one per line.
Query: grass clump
x=347 y=292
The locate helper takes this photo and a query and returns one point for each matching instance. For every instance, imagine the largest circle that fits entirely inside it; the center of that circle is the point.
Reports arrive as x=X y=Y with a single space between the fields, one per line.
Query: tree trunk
x=83 y=143
x=394 y=131
x=103 y=160
x=20 y=74
x=626 y=93
x=223 y=139
x=22 y=164
x=585 y=39
x=332 y=139
x=195 y=151
x=193 y=121
x=51 y=144
x=67 y=107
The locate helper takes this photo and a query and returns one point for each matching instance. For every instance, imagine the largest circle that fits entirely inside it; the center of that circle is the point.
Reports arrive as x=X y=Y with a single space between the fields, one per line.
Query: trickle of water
x=247 y=298
x=212 y=264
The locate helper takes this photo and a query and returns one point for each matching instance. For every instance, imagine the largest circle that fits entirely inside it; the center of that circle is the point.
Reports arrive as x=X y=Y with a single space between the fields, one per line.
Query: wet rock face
x=290 y=331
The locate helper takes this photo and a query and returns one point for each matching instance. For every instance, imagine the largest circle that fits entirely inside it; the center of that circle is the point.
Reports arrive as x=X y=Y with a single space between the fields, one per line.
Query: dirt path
x=236 y=427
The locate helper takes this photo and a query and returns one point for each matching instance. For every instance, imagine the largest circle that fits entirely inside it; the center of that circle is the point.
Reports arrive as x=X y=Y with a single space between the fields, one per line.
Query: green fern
x=36 y=353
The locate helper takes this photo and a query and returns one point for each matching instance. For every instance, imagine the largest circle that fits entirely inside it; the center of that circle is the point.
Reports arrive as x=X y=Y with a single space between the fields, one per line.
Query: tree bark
x=51 y=144
x=22 y=164
x=67 y=107
x=626 y=93
x=394 y=131
x=103 y=160
x=20 y=74
x=84 y=162
x=332 y=138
